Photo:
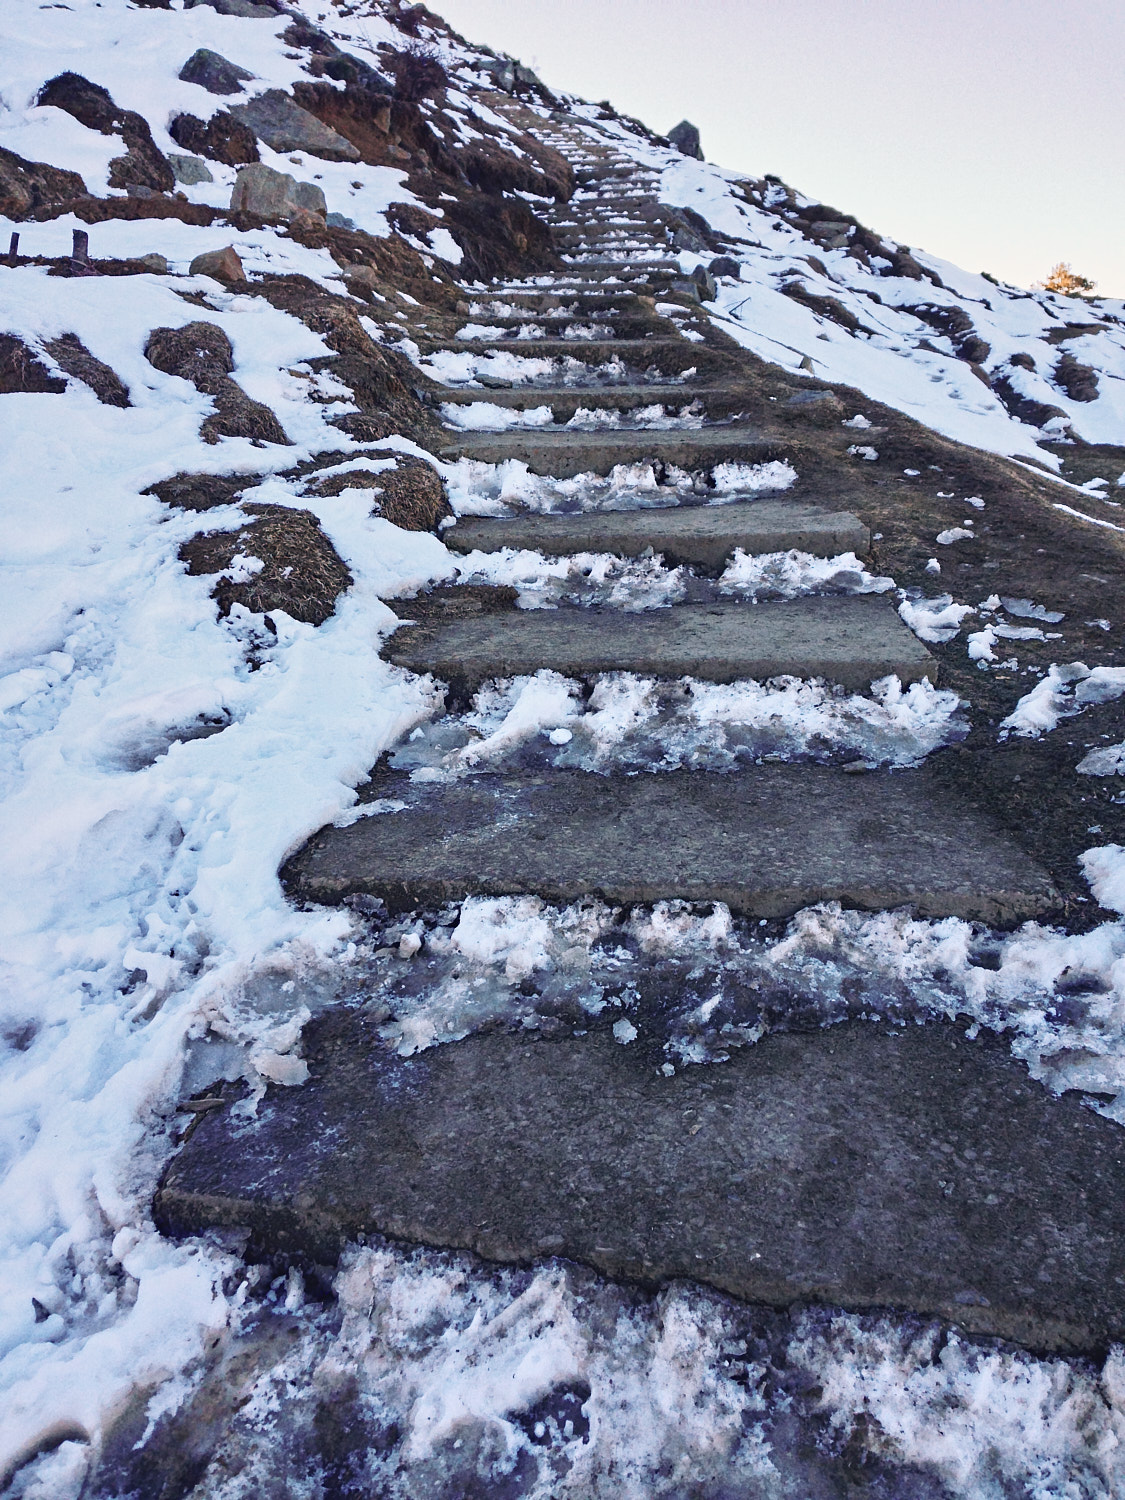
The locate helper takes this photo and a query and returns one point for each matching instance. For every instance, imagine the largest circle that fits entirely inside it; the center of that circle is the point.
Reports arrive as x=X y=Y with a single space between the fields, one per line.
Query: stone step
x=767 y=841
x=669 y=356
x=702 y=535
x=566 y=453
x=851 y=641
x=859 y=1167
x=564 y=401
x=619 y=323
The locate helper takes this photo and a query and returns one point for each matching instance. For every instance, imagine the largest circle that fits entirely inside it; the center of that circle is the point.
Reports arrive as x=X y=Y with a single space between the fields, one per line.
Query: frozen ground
x=157 y=764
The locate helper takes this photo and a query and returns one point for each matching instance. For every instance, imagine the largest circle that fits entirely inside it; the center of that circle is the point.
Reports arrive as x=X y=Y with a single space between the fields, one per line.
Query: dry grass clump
x=411 y=495
x=301 y=572
x=201 y=352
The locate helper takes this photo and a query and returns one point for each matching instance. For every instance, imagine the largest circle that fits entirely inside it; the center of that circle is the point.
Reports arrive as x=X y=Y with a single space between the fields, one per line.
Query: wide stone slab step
x=767 y=841
x=705 y=535
x=852 y=641
x=857 y=1166
x=565 y=400
x=570 y=452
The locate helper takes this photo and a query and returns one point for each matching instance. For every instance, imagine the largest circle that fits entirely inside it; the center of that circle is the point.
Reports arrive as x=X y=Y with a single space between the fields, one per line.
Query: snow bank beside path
x=153 y=779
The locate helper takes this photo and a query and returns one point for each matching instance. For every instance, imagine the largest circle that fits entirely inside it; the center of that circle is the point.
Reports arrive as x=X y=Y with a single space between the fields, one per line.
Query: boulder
x=685 y=138
x=155 y=263
x=706 y=284
x=223 y=265
x=189 y=169
x=268 y=194
x=213 y=72
x=284 y=126
x=223 y=138
x=725 y=265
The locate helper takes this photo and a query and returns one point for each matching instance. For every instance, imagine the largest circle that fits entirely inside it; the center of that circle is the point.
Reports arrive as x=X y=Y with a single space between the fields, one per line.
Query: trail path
x=858 y=1165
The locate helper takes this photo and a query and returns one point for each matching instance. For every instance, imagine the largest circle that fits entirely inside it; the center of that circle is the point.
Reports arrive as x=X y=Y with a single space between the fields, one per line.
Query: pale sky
x=990 y=132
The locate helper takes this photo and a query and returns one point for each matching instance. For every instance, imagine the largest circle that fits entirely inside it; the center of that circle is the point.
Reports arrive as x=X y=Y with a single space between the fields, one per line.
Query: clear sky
x=990 y=132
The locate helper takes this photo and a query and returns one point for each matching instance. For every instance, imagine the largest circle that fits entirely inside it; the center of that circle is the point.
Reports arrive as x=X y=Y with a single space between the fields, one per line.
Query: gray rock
x=685 y=138
x=859 y=1166
x=339 y=221
x=285 y=126
x=155 y=262
x=189 y=169
x=706 y=284
x=310 y=198
x=268 y=194
x=725 y=265
x=213 y=72
x=852 y=641
x=248 y=9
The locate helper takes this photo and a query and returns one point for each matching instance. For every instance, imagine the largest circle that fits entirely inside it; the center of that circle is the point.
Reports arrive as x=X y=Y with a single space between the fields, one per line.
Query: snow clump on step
x=644 y=723
x=477 y=488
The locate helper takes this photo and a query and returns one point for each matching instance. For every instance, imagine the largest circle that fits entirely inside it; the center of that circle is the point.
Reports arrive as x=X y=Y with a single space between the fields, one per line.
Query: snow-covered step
x=850 y=640
x=767 y=841
x=810 y=1167
x=702 y=535
x=565 y=401
x=566 y=453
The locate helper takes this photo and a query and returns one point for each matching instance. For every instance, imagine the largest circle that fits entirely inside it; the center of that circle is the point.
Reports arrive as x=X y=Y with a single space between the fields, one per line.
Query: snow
x=484 y=489
x=629 y=722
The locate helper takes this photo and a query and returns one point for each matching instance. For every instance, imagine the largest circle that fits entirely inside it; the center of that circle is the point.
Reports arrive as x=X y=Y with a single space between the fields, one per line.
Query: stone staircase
x=814 y=1169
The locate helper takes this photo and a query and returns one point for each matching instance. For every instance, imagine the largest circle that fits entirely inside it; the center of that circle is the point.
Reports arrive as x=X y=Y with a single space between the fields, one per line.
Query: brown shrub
x=302 y=572
x=223 y=138
x=417 y=73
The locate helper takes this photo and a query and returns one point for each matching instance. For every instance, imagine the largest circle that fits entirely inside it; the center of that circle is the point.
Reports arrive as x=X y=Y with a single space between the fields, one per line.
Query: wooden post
x=81 y=249
x=14 y=248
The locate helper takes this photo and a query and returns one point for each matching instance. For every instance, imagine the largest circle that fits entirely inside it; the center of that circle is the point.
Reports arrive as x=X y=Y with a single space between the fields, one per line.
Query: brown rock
x=223 y=265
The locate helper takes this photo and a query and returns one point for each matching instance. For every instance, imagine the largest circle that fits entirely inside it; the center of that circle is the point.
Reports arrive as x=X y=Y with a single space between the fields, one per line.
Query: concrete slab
x=855 y=1166
x=852 y=641
x=766 y=841
x=705 y=535
x=568 y=453
x=564 y=401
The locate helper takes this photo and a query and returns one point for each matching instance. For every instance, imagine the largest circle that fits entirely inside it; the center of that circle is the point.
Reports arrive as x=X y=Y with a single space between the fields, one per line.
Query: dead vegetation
x=411 y=495
x=201 y=352
x=301 y=572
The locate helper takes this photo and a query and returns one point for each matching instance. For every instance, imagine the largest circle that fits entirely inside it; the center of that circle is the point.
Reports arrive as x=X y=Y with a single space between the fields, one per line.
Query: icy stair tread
x=809 y=1167
x=570 y=452
x=851 y=641
x=767 y=841
x=705 y=535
